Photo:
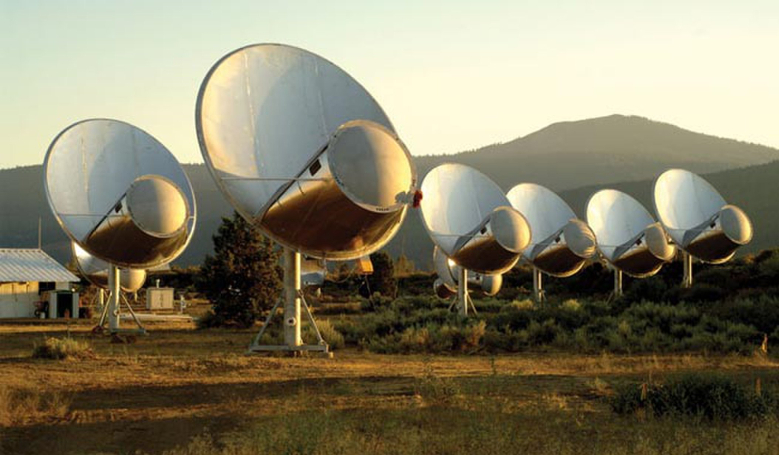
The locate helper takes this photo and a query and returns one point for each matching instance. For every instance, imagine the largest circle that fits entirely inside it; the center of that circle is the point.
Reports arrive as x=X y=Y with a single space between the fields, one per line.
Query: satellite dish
x=304 y=152
x=629 y=239
x=469 y=218
x=111 y=185
x=96 y=271
x=561 y=242
x=471 y=223
x=446 y=285
x=120 y=196
x=698 y=219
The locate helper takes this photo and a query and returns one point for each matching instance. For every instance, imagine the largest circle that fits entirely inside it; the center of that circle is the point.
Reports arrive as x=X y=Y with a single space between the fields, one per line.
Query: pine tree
x=243 y=277
x=382 y=280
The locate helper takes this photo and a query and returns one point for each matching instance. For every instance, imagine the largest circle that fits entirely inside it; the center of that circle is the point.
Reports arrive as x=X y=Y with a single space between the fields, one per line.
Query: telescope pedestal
x=294 y=301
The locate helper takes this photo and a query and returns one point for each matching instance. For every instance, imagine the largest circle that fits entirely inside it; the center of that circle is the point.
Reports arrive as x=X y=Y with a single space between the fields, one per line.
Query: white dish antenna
x=473 y=227
x=698 y=219
x=629 y=239
x=561 y=242
x=121 y=197
x=469 y=218
x=447 y=283
x=96 y=271
x=304 y=152
x=111 y=185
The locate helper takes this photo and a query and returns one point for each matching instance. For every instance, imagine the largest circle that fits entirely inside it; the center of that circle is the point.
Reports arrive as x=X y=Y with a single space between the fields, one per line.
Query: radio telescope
x=629 y=239
x=96 y=271
x=303 y=152
x=446 y=285
x=561 y=242
x=472 y=223
x=120 y=196
x=698 y=219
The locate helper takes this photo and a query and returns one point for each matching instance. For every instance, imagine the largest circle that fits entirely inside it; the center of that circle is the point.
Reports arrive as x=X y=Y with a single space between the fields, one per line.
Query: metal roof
x=29 y=264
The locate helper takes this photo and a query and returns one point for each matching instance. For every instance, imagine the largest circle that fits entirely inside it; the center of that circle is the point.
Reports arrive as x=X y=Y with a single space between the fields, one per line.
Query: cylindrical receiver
x=350 y=200
x=490 y=284
x=645 y=255
x=718 y=241
x=569 y=250
x=495 y=247
x=657 y=242
x=148 y=225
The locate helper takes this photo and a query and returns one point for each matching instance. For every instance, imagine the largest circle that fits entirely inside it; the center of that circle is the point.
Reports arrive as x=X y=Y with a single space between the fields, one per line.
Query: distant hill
x=576 y=158
x=616 y=148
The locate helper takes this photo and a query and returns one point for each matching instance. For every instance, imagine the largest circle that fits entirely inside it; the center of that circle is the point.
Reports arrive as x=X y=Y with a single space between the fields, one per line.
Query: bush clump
x=709 y=396
x=333 y=337
x=62 y=348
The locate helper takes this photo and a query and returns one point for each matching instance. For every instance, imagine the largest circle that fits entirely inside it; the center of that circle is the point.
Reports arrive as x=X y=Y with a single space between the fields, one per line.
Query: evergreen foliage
x=382 y=280
x=242 y=278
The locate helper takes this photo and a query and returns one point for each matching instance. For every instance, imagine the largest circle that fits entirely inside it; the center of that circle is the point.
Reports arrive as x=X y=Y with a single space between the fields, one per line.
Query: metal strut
x=687 y=277
x=293 y=301
x=617 y=283
x=538 y=286
x=463 y=300
x=112 y=308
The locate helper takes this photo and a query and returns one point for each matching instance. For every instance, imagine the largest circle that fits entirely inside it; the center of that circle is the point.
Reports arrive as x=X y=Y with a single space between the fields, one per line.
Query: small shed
x=29 y=275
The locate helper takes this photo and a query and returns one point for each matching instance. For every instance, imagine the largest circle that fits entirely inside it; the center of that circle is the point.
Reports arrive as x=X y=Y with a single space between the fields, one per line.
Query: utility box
x=159 y=298
x=63 y=304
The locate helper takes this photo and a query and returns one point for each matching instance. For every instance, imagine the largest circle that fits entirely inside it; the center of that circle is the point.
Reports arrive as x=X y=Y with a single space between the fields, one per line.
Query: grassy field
x=182 y=391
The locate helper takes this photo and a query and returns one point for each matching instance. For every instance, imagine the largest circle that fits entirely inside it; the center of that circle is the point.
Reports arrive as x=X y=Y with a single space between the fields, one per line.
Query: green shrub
x=432 y=338
x=62 y=348
x=651 y=289
x=713 y=397
x=543 y=333
x=329 y=333
x=571 y=305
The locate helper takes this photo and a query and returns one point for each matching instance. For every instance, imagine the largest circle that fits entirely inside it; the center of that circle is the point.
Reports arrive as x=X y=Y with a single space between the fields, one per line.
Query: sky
x=452 y=75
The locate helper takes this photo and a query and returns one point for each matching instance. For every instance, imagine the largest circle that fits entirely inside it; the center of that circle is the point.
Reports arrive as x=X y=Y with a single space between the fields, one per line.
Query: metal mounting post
x=617 y=283
x=293 y=301
x=111 y=310
x=538 y=286
x=687 y=278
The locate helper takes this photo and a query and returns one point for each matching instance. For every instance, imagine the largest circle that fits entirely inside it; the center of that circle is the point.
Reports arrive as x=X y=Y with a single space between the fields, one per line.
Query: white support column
x=462 y=292
x=292 y=321
x=617 y=283
x=115 y=291
x=100 y=299
x=538 y=285
x=687 y=278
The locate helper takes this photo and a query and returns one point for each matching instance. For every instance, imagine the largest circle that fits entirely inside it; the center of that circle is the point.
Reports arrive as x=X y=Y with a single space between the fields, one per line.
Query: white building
x=28 y=276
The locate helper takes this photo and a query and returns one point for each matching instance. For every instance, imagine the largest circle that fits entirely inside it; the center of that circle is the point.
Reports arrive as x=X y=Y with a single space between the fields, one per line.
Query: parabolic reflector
x=303 y=151
x=469 y=218
x=96 y=271
x=628 y=236
x=697 y=217
x=561 y=242
x=119 y=194
x=448 y=272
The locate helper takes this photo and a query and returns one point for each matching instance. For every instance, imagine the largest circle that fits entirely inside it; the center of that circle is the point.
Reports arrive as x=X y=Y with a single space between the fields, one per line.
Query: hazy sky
x=452 y=75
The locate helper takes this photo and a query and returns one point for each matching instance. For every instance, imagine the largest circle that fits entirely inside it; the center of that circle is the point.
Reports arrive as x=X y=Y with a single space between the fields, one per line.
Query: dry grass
x=194 y=392
x=62 y=348
x=20 y=406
